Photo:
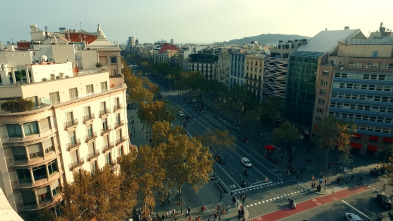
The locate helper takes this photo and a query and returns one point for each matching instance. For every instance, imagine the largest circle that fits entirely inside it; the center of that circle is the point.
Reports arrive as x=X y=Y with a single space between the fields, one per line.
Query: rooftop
x=327 y=41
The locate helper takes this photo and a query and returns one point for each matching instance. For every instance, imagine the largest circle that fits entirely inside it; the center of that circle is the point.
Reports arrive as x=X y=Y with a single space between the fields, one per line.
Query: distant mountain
x=266 y=39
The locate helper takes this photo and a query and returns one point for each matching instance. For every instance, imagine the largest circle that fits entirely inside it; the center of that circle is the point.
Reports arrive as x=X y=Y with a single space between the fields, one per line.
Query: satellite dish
x=44 y=58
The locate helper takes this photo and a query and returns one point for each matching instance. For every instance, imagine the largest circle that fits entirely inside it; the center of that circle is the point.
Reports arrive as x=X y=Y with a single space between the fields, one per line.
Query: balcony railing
x=70 y=124
x=74 y=145
x=76 y=164
x=88 y=118
x=108 y=147
x=121 y=140
x=117 y=107
x=104 y=112
x=119 y=124
x=106 y=130
x=93 y=155
x=91 y=137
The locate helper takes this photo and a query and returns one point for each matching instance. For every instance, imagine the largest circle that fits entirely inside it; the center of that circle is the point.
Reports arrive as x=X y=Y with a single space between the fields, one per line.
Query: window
x=113 y=60
x=325 y=73
x=30 y=128
x=69 y=119
x=55 y=187
x=54 y=97
x=114 y=72
x=28 y=197
x=89 y=130
x=39 y=172
x=117 y=102
x=320 y=110
x=74 y=156
x=44 y=124
x=89 y=89
x=43 y=194
x=72 y=137
x=118 y=119
x=323 y=82
x=52 y=167
x=322 y=92
x=88 y=112
x=105 y=125
x=73 y=93
x=35 y=150
x=104 y=86
x=321 y=101
x=14 y=130
x=93 y=167
x=19 y=153
x=108 y=158
x=90 y=148
x=24 y=176
x=121 y=150
x=48 y=146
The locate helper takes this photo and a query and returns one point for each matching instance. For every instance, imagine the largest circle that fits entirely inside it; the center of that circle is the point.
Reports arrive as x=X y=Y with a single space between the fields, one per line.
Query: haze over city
x=202 y=21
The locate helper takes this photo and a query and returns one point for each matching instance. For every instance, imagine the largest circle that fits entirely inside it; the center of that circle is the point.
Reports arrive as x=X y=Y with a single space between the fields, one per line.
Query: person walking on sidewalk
x=384 y=187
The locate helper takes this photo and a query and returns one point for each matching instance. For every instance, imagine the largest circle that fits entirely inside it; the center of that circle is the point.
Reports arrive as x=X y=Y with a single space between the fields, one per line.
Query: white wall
x=40 y=71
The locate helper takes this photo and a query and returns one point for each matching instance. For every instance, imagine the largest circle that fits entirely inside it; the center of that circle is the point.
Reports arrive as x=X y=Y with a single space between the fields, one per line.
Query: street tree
x=334 y=134
x=161 y=131
x=100 y=195
x=143 y=168
x=286 y=135
x=185 y=161
x=218 y=140
x=155 y=111
x=270 y=110
x=386 y=152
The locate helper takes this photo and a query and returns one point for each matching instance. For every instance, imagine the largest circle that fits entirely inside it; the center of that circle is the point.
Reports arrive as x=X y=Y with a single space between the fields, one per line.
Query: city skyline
x=203 y=21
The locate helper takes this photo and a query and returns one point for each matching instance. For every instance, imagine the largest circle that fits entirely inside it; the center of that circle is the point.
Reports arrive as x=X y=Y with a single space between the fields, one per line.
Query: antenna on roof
x=80 y=26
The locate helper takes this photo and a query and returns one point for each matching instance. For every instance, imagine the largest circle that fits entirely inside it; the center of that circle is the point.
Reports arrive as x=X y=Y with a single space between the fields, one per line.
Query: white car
x=352 y=217
x=181 y=114
x=246 y=162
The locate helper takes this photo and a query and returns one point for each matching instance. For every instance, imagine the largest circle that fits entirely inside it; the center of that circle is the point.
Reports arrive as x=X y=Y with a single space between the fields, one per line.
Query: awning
x=388 y=140
x=269 y=147
x=356 y=145
x=375 y=138
x=372 y=148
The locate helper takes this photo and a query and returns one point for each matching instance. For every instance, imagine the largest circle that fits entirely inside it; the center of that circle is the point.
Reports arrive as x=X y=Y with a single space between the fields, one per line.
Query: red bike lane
x=312 y=203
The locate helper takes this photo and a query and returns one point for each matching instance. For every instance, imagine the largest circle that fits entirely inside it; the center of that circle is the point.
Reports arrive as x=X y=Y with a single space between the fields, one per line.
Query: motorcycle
x=292 y=203
x=244 y=184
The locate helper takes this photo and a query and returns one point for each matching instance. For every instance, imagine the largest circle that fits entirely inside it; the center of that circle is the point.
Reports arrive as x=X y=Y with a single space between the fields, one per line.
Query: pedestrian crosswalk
x=255 y=187
x=276 y=198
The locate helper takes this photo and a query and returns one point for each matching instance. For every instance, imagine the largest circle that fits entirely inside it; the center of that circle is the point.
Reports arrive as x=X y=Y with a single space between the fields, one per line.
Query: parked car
x=352 y=217
x=384 y=201
x=246 y=162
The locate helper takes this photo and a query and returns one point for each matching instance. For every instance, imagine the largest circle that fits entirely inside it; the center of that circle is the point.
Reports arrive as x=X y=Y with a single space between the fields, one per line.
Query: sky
x=192 y=21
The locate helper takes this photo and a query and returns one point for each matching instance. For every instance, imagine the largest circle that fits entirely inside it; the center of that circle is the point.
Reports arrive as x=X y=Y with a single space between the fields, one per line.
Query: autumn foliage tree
x=334 y=134
x=218 y=140
x=102 y=195
x=154 y=111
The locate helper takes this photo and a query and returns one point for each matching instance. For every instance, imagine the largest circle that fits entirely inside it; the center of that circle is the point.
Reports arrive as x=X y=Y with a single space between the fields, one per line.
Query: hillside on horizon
x=266 y=39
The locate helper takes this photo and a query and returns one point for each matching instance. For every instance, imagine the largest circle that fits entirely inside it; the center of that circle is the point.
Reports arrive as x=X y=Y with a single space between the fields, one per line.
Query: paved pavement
x=209 y=196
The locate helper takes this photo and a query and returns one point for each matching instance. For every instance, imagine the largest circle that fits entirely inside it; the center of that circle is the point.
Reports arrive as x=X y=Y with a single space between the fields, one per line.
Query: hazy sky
x=192 y=21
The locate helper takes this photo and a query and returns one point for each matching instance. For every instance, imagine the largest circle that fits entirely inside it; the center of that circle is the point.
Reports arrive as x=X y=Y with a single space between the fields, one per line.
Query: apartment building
x=237 y=68
x=204 y=62
x=359 y=80
x=254 y=66
x=223 y=64
x=78 y=120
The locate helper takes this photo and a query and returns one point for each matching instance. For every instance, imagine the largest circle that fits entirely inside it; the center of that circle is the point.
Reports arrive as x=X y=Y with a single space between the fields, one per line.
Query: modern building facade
x=237 y=69
x=302 y=78
x=78 y=120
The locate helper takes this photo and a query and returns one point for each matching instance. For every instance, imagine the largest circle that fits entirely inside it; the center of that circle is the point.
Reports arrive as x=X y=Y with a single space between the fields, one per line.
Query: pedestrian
x=162 y=217
x=351 y=177
x=189 y=218
x=199 y=218
x=187 y=213
x=384 y=187
x=174 y=211
x=215 y=217
x=301 y=177
x=220 y=197
x=219 y=217
x=325 y=181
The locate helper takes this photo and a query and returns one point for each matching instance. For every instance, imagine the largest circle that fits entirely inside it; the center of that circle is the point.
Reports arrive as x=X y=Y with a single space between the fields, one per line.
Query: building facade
x=78 y=121
x=254 y=66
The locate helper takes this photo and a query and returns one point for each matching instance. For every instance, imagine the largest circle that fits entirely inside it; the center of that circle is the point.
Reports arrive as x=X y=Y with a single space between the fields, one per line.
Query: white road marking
x=356 y=210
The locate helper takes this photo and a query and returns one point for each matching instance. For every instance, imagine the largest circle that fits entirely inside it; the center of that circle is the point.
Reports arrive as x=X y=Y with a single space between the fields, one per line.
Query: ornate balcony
x=72 y=146
x=88 y=118
x=119 y=124
x=94 y=155
x=106 y=130
x=70 y=124
x=117 y=107
x=91 y=137
x=104 y=112
x=108 y=147
x=76 y=164
x=121 y=140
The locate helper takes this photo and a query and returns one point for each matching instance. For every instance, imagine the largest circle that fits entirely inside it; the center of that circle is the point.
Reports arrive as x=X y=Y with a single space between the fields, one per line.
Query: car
x=220 y=159
x=181 y=114
x=246 y=162
x=352 y=217
x=384 y=201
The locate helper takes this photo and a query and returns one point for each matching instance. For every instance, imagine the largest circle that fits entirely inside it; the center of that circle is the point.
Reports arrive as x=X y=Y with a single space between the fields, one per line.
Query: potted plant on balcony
x=17 y=105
